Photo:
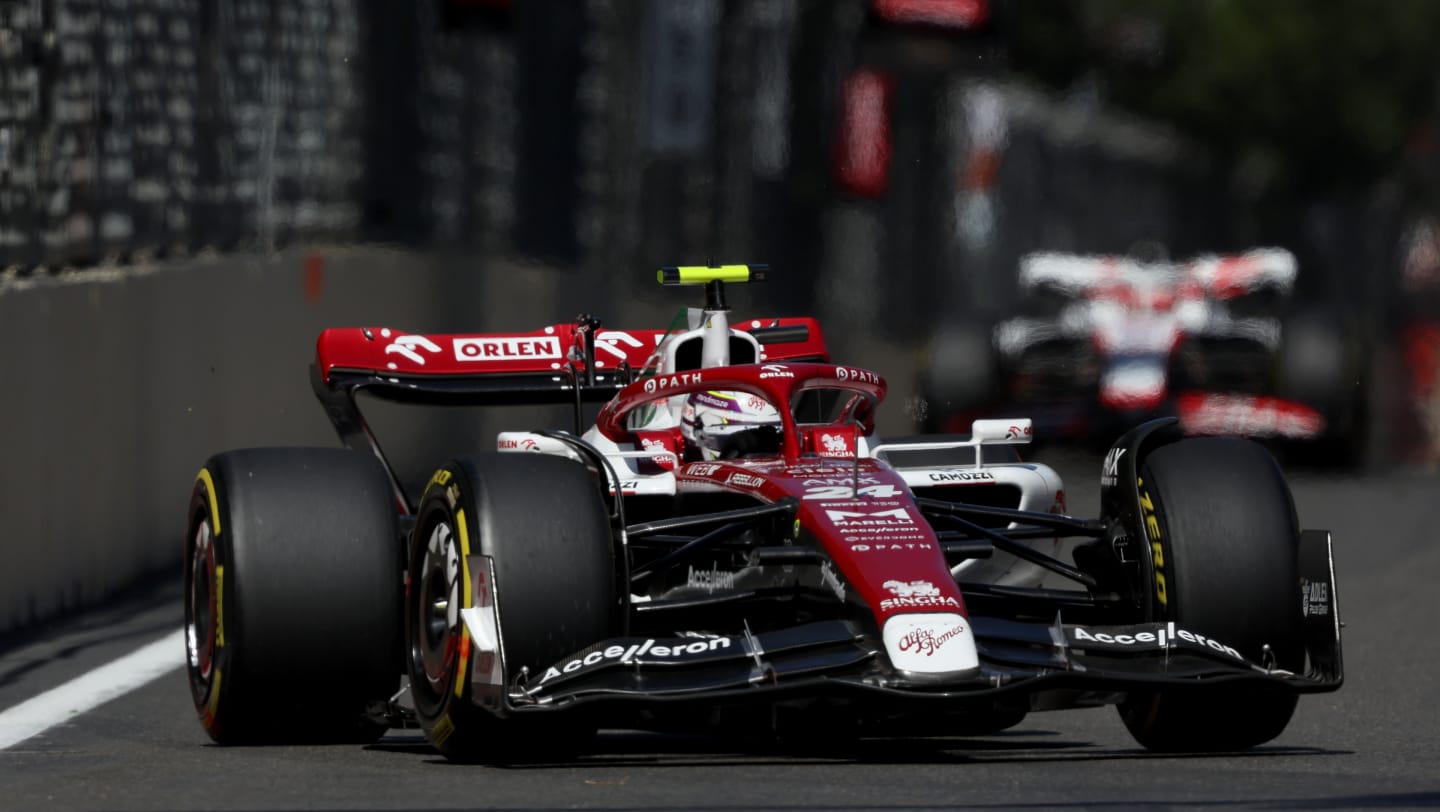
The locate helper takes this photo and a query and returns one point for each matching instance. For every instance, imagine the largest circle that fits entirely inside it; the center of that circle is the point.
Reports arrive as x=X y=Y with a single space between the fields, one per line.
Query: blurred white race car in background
x=1218 y=341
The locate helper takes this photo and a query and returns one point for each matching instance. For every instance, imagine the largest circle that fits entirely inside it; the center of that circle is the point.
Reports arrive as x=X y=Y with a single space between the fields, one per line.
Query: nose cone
x=1133 y=387
x=931 y=643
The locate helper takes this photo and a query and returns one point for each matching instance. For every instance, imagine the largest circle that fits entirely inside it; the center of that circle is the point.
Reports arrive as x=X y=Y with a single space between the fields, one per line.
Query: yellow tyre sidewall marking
x=219 y=606
x=463 y=656
x=214 y=503
x=1157 y=543
x=213 y=706
x=442 y=731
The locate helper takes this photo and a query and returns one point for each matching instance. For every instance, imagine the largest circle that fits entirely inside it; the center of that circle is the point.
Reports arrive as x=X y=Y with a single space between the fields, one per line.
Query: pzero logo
x=1111 y=469
x=925 y=641
x=1157 y=546
x=408 y=346
x=677 y=650
x=776 y=371
x=506 y=349
x=663 y=382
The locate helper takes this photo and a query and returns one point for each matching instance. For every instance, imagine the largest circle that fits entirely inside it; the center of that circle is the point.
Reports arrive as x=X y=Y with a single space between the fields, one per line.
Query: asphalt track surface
x=1373 y=745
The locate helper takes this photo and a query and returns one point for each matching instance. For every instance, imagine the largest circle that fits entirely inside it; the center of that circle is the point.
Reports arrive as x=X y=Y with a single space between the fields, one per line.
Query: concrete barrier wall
x=119 y=384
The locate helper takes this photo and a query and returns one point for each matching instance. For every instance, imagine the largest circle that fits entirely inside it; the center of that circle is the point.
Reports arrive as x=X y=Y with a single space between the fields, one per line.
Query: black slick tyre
x=1224 y=546
x=542 y=524
x=292 y=595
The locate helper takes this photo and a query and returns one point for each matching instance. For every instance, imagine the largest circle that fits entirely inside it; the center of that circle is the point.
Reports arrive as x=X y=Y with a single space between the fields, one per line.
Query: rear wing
x=560 y=363
x=568 y=363
x=1223 y=276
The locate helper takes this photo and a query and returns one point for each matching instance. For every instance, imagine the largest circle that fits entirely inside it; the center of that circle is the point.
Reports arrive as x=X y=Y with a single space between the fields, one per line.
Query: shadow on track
x=611 y=749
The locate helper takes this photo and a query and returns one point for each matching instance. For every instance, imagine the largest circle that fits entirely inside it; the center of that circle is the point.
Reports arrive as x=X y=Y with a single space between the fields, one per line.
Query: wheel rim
x=437 y=615
x=201 y=616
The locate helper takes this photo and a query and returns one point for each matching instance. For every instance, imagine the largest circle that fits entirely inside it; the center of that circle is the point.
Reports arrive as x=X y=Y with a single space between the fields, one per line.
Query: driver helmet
x=709 y=420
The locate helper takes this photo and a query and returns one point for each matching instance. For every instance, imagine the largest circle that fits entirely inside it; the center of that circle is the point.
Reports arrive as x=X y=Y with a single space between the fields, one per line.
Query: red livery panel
x=385 y=350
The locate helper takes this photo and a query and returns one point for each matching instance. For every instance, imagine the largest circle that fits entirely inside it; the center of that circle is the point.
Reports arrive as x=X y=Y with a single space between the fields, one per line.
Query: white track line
x=88 y=691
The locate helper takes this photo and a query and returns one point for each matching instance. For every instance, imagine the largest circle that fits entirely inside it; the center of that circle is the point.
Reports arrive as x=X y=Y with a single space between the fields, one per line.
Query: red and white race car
x=732 y=543
x=1215 y=341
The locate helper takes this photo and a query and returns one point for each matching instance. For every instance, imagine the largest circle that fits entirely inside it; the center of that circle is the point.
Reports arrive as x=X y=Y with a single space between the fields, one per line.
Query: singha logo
x=912 y=589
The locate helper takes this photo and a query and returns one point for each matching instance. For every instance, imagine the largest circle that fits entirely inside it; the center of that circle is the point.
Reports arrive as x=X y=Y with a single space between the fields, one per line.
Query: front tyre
x=292 y=595
x=1220 y=522
x=542 y=524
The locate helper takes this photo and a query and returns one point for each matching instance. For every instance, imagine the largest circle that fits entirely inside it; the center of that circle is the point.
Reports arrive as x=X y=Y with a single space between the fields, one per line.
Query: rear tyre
x=292 y=595
x=543 y=524
x=1225 y=565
